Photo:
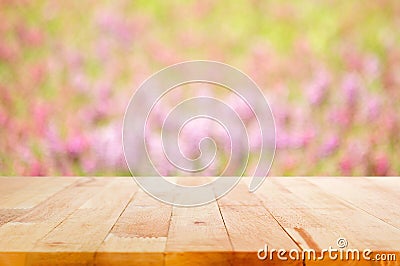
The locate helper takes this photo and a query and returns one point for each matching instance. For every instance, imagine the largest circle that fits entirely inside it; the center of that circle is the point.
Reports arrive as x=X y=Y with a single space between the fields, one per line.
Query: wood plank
x=316 y=219
x=197 y=236
x=61 y=204
x=104 y=221
x=368 y=196
x=143 y=199
x=20 y=235
x=140 y=234
x=239 y=196
x=136 y=219
x=250 y=228
x=390 y=184
x=12 y=258
x=131 y=251
x=11 y=184
x=27 y=193
x=76 y=239
x=7 y=215
x=45 y=216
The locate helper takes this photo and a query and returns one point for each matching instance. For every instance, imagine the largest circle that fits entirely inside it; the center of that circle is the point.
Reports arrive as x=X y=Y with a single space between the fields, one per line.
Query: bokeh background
x=330 y=70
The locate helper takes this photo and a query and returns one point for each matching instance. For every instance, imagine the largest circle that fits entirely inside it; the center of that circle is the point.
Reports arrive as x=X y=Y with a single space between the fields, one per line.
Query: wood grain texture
x=197 y=236
x=83 y=232
x=316 y=218
x=139 y=236
x=380 y=201
x=20 y=193
x=249 y=229
x=110 y=221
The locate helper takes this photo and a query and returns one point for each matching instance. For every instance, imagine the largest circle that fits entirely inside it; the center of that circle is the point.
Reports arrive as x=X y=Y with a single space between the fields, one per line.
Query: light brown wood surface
x=110 y=221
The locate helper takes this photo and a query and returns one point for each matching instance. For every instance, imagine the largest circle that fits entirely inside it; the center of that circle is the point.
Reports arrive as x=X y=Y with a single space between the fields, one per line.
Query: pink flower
x=290 y=163
x=89 y=165
x=307 y=136
x=330 y=146
x=120 y=27
x=240 y=107
x=318 y=88
x=80 y=82
x=350 y=88
x=30 y=36
x=74 y=59
x=282 y=140
x=381 y=165
x=76 y=145
x=371 y=66
x=53 y=141
x=255 y=138
x=40 y=115
x=155 y=152
x=373 y=108
x=7 y=52
x=346 y=165
x=38 y=73
x=37 y=169
x=191 y=135
x=107 y=147
x=340 y=116
x=3 y=118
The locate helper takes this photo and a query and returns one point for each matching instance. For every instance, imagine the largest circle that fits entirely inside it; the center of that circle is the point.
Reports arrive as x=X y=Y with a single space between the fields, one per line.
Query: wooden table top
x=110 y=221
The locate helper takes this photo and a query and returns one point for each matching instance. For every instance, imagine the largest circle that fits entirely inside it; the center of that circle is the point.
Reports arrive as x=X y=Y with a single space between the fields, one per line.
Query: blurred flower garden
x=330 y=70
